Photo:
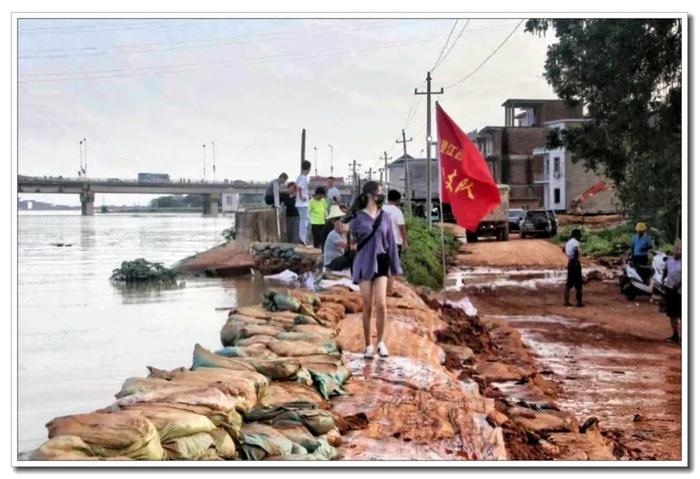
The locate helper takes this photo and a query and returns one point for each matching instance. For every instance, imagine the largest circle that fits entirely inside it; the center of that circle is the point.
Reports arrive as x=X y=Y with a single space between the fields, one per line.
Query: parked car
x=554 y=221
x=515 y=215
x=535 y=223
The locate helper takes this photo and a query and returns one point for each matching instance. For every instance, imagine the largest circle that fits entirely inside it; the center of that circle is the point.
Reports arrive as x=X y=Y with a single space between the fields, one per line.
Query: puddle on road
x=481 y=277
x=612 y=377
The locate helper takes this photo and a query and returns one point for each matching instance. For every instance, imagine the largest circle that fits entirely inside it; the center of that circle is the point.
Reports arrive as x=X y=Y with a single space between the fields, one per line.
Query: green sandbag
x=297 y=433
x=203 y=358
x=305 y=319
x=172 y=423
x=318 y=421
x=111 y=434
x=196 y=447
x=324 y=452
x=275 y=301
x=328 y=378
x=63 y=448
x=260 y=440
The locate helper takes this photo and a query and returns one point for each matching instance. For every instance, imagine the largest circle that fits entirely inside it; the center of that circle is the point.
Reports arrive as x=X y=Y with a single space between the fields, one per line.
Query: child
x=317 y=213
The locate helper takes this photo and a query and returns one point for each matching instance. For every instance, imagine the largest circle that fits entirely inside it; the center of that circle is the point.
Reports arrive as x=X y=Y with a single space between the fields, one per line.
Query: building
x=568 y=186
x=417 y=173
x=508 y=150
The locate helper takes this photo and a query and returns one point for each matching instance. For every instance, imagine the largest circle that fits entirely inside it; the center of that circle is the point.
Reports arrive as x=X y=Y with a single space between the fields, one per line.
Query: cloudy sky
x=148 y=93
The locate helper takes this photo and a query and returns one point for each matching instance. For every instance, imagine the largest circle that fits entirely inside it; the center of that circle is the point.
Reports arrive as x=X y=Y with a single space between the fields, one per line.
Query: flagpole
x=442 y=220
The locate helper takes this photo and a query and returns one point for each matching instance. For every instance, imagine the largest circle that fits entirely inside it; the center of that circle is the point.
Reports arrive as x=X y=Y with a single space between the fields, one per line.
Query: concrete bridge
x=250 y=193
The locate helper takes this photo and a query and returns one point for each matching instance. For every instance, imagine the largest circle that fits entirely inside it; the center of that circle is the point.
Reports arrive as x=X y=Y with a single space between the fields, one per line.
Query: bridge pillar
x=87 y=203
x=211 y=203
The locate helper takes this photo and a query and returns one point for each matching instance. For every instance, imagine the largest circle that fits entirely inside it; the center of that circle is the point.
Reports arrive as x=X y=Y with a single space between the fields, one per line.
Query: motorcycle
x=646 y=280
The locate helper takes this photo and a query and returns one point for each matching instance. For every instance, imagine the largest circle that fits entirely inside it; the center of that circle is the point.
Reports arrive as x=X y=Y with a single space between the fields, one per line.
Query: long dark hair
x=360 y=202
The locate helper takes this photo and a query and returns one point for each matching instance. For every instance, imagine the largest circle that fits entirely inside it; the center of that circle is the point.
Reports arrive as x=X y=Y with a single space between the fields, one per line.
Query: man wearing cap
x=574 y=278
x=337 y=238
x=641 y=244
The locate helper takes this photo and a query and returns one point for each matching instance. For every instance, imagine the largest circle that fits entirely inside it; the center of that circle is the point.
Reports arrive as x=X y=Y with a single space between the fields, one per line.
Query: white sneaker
x=369 y=352
x=382 y=350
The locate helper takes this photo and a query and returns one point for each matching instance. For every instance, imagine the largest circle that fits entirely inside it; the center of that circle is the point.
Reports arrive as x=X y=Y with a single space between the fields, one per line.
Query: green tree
x=627 y=74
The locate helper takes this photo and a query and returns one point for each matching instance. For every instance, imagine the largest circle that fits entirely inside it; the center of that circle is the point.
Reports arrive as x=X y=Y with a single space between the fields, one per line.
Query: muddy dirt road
x=608 y=359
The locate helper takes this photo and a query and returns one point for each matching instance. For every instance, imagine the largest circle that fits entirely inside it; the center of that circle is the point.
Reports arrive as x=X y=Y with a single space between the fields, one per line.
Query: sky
x=147 y=94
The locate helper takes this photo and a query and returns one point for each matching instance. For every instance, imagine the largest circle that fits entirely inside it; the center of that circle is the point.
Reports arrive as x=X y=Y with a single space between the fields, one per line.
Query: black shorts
x=673 y=303
x=574 y=277
x=398 y=247
x=383 y=265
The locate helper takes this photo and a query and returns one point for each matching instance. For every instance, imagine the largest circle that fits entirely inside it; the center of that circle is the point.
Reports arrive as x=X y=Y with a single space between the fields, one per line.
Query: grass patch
x=142 y=271
x=613 y=241
x=422 y=260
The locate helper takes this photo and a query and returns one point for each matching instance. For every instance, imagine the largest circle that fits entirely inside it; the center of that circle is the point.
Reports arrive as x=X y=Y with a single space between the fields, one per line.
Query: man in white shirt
x=574 y=277
x=332 y=193
x=302 y=201
x=398 y=226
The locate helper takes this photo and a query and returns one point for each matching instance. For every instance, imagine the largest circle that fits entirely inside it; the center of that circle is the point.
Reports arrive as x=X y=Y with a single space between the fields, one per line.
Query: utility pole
x=406 y=182
x=369 y=174
x=315 y=162
x=204 y=162
x=213 y=154
x=355 y=182
x=331 y=147
x=85 y=149
x=428 y=141
x=386 y=170
x=303 y=146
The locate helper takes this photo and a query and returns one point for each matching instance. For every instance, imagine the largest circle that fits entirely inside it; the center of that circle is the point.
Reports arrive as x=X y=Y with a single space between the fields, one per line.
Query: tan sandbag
x=302 y=348
x=316 y=329
x=256 y=339
x=111 y=434
x=63 y=448
x=335 y=307
x=203 y=358
x=235 y=330
x=225 y=447
x=225 y=375
x=258 y=311
x=141 y=385
x=172 y=423
x=231 y=420
x=329 y=316
x=206 y=395
x=196 y=447
x=289 y=394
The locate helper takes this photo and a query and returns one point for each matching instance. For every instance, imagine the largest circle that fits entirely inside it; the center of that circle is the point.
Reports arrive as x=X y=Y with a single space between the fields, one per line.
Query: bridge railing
x=186 y=181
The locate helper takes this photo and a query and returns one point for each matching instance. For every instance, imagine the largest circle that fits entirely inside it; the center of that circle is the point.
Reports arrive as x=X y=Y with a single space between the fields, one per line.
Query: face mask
x=380 y=199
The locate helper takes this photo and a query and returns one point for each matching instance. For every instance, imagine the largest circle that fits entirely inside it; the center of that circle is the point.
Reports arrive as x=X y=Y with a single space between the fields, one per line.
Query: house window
x=557 y=167
x=546 y=166
x=557 y=196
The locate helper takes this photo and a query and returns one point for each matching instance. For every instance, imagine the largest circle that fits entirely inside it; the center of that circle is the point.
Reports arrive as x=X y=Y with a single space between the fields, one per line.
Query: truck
x=494 y=224
x=153 y=178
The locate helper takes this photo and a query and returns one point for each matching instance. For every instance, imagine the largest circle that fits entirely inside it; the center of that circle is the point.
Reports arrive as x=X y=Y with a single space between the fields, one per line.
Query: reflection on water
x=80 y=335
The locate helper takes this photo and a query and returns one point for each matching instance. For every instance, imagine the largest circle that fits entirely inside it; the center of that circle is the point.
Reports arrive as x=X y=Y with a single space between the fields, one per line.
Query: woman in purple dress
x=376 y=258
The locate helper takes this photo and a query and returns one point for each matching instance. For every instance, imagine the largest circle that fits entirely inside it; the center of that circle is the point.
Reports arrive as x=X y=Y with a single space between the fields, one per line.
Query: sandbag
x=275 y=301
x=298 y=336
x=259 y=312
x=337 y=308
x=230 y=377
x=203 y=358
x=314 y=328
x=297 y=433
x=303 y=348
x=324 y=452
x=304 y=297
x=305 y=319
x=328 y=378
x=206 y=395
x=328 y=316
x=259 y=441
x=255 y=350
x=141 y=385
x=111 y=434
x=63 y=448
x=290 y=394
x=225 y=447
x=257 y=339
x=235 y=330
x=351 y=302
x=318 y=421
x=196 y=447
x=172 y=423
x=231 y=420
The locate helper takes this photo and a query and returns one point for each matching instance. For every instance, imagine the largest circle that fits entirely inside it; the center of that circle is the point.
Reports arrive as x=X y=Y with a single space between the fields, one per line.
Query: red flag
x=466 y=182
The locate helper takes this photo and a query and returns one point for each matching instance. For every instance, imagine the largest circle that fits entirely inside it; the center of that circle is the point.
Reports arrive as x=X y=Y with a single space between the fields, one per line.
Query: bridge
x=250 y=192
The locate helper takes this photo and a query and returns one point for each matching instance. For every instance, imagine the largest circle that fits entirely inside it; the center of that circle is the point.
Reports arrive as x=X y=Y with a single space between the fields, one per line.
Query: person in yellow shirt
x=318 y=206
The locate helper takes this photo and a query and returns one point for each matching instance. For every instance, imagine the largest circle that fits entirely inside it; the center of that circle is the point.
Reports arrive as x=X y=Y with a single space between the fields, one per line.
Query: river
x=80 y=336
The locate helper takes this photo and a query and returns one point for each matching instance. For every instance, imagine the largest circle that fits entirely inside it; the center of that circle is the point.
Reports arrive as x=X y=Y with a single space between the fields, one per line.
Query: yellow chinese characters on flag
x=467 y=185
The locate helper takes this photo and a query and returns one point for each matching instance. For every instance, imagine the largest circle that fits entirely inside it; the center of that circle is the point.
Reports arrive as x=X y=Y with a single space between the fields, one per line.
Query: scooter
x=643 y=279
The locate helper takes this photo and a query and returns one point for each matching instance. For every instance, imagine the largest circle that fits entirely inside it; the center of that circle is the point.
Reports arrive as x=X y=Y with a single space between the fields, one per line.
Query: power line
x=468 y=75
x=447 y=41
x=459 y=35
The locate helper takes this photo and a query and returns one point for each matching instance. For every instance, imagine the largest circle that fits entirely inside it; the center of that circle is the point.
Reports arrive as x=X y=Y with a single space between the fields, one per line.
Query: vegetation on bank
x=229 y=234
x=422 y=260
x=142 y=271
x=613 y=241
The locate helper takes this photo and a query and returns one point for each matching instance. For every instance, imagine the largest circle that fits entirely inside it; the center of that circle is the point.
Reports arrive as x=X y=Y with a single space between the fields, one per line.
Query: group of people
x=639 y=257
x=368 y=238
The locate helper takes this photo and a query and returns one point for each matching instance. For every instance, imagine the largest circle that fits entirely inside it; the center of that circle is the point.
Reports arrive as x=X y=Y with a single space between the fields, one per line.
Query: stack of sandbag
x=264 y=395
x=273 y=258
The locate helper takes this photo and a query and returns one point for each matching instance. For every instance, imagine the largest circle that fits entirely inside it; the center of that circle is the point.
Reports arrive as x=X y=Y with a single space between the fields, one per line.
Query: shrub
x=422 y=260
x=229 y=234
x=613 y=241
x=140 y=270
